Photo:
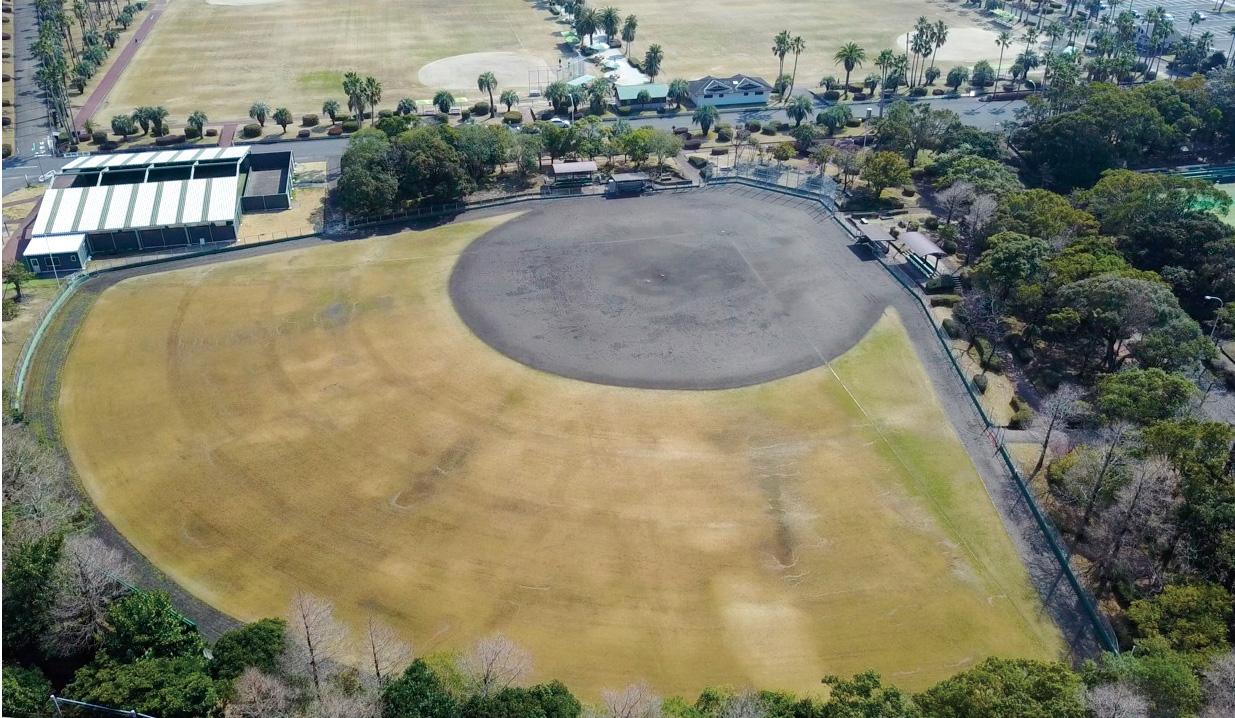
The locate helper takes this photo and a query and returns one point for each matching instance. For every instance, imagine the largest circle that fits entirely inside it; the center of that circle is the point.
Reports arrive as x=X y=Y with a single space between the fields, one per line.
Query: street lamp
x=1221 y=304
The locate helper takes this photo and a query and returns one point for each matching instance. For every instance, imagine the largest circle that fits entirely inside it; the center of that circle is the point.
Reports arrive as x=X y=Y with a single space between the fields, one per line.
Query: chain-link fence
x=778 y=176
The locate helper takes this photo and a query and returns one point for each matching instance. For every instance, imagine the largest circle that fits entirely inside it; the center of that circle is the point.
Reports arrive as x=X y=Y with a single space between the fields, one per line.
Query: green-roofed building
x=657 y=95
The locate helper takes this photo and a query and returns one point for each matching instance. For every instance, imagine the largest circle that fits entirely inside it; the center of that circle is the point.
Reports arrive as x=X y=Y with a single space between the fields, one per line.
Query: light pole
x=1221 y=304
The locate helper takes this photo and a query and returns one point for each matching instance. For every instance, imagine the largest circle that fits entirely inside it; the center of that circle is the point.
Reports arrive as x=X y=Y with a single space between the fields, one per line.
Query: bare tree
x=747 y=704
x=89 y=577
x=259 y=695
x=385 y=653
x=1142 y=509
x=1220 y=687
x=976 y=225
x=1055 y=413
x=1116 y=700
x=336 y=704
x=956 y=199
x=634 y=701
x=1094 y=474
x=494 y=663
x=38 y=497
x=314 y=640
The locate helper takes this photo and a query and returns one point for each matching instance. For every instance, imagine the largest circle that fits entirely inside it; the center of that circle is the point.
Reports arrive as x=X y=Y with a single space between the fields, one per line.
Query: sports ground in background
x=322 y=419
x=220 y=56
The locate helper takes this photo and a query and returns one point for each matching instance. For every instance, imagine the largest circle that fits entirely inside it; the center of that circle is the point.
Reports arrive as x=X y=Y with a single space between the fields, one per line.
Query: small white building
x=726 y=91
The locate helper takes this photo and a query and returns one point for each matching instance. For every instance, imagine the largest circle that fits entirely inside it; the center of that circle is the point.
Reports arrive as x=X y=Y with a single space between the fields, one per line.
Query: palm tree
x=940 y=37
x=371 y=93
x=705 y=116
x=488 y=83
x=629 y=28
x=850 y=56
x=1054 y=31
x=598 y=92
x=1193 y=21
x=558 y=94
x=444 y=101
x=258 y=111
x=510 y=98
x=797 y=45
x=780 y=47
x=123 y=126
x=330 y=108
x=799 y=109
x=282 y=117
x=585 y=23
x=1004 y=41
x=197 y=120
x=609 y=21
x=679 y=90
x=141 y=116
x=576 y=96
x=157 y=114
x=1030 y=37
x=652 y=60
x=406 y=106
x=884 y=61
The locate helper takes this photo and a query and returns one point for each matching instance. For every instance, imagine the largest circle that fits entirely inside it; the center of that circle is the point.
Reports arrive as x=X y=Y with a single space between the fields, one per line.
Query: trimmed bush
x=8 y=151
x=98 y=137
x=302 y=134
x=251 y=130
x=350 y=126
x=931 y=223
x=1021 y=419
x=166 y=140
x=191 y=133
x=918 y=91
x=980 y=383
x=952 y=327
x=949 y=245
x=724 y=134
x=754 y=126
x=859 y=96
x=853 y=122
x=717 y=151
x=513 y=117
x=783 y=126
x=342 y=117
x=385 y=113
x=335 y=131
x=769 y=131
x=108 y=146
x=692 y=144
x=832 y=95
x=465 y=115
x=907 y=192
x=697 y=162
x=212 y=132
x=480 y=109
x=939 y=91
x=308 y=120
x=945 y=300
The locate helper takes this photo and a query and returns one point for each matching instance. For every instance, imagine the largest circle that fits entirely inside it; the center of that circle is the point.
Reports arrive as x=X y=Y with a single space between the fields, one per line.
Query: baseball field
x=322 y=419
x=219 y=56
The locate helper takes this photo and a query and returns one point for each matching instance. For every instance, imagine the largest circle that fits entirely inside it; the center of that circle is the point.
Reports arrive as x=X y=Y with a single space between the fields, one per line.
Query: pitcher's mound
x=512 y=69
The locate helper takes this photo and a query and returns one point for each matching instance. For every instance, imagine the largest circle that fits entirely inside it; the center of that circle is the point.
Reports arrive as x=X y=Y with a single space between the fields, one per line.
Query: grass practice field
x=1229 y=188
x=321 y=419
x=220 y=58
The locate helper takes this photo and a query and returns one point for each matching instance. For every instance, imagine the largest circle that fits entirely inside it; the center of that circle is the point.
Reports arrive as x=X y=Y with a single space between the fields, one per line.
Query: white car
x=559 y=122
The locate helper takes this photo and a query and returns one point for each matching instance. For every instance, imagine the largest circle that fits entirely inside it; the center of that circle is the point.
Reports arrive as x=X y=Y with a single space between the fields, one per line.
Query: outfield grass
x=1229 y=217
x=221 y=58
x=322 y=420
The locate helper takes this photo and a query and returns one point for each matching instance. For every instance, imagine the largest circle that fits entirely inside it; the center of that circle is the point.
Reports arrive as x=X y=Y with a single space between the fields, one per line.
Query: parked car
x=559 y=122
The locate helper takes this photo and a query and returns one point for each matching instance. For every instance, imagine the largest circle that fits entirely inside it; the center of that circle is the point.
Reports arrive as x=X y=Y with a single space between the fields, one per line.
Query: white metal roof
x=154 y=204
x=53 y=244
x=159 y=157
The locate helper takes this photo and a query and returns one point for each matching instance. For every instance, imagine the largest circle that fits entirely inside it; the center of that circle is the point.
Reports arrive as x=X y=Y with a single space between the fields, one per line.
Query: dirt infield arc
x=322 y=419
x=711 y=294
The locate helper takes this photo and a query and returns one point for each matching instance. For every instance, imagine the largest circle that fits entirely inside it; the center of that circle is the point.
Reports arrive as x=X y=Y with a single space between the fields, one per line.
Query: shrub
x=166 y=140
x=782 y=126
x=931 y=223
x=335 y=131
x=908 y=192
x=480 y=109
x=980 y=383
x=8 y=151
x=918 y=92
x=720 y=151
x=302 y=134
x=342 y=117
x=853 y=122
x=692 y=144
x=212 y=132
x=465 y=115
x=1021 y=419
x=308 y=120
x=513 y=117
x=754 y=126
x=191 y=133
x=939 y=91
x=9 y=309
x=109 y=146
x=98 y=137
x=859 y=96
x=385 y=113
x=949 y=245
x=832 y=95
x=724 y=134
x=945 y=300
x=953 y=328
x=769 y=131
x=350 y=126
x=697 y=162
x=251 y=130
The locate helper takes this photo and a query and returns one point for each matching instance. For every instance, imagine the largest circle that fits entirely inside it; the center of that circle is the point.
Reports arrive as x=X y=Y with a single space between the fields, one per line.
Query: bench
x=920 y=264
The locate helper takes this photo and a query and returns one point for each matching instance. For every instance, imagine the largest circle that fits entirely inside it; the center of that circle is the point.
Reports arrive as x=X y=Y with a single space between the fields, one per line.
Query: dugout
x=625 y=184
x=268 y=186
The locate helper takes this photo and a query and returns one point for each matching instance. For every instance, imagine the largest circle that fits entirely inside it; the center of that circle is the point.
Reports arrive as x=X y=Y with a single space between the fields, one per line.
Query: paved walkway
x=227 y=134
x=104 y=88
x=31 y=124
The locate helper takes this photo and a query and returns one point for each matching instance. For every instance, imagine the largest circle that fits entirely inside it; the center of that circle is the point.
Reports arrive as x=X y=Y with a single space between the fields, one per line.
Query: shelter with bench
x=573 y=174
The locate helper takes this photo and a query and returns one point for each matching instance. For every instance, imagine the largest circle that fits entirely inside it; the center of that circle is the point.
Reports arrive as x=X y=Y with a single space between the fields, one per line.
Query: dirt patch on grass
x=510 y=68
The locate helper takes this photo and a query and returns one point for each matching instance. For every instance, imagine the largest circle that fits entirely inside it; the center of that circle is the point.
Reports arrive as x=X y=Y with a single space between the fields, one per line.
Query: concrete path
x=104 y=88
x=31 y=125
x=227 y=134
